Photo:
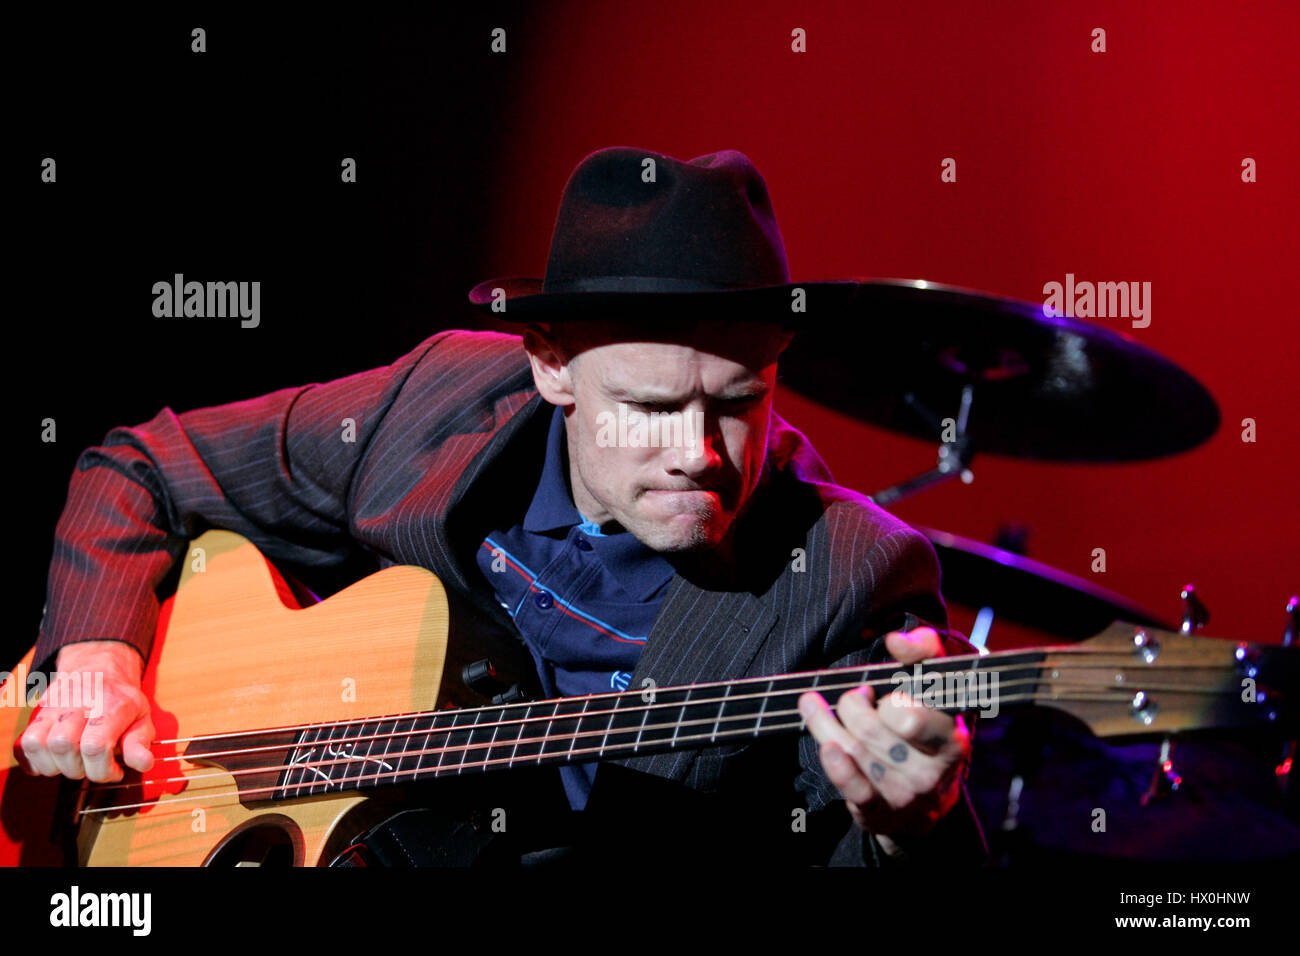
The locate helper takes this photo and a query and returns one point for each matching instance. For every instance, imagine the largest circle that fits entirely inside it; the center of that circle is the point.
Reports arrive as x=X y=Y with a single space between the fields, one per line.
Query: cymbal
x=1049 y=388
x=1030 y=592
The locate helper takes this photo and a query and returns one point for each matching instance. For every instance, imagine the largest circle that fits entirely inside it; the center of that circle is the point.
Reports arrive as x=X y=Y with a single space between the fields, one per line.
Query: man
x=725 y=551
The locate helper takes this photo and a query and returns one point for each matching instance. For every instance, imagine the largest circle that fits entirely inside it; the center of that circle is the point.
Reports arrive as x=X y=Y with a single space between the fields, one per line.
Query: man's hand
x=80 y=741
x=897 y=766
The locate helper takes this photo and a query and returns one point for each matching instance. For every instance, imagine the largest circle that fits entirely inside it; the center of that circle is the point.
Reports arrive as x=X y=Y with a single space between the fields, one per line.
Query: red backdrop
x=1122 y=165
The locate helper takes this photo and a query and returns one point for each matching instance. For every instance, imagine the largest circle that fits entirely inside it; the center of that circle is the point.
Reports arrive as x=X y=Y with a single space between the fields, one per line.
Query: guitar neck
x=383 y=751
x=1127 y=680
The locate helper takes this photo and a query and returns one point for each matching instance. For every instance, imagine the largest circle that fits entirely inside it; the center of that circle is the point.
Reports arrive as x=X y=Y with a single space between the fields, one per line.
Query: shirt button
x=543 y=599
x=582 y=543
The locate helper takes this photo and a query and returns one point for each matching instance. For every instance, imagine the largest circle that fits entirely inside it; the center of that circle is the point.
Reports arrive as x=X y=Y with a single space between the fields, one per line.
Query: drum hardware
x=1057 y=389
x=1019 y=589
x=954 y=456
x=1165 y=779
x=1283 y=770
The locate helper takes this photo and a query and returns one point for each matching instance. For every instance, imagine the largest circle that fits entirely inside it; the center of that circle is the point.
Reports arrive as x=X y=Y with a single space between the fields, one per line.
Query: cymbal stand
x=954 y=457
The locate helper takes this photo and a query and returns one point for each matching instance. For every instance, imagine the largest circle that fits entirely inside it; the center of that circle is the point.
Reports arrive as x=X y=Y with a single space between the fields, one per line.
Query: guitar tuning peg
x=1195 y=614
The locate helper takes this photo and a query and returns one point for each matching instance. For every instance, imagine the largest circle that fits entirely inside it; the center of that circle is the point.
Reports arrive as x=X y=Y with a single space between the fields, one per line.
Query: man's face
x=666 y=431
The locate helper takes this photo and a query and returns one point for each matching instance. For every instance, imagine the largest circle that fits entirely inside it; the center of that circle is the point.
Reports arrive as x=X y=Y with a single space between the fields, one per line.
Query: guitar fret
x=368 y=767
x=392 y=734
x=423 y=750
x=287 y=776
x=304 y=764
x=573 y=740
x=496 y=729
x=541 y=751
x=681 y=718
x=604 y=740
x=523 y=728
x=469 y=743
x=783 y=695
x=645 y=714
x=323 y=775
x=344 y=758
x=463 y=752
x=763 y=708
x=328 y=762
x=446 y=743
x=311 y=766
x=293 y=764
x=722 y=705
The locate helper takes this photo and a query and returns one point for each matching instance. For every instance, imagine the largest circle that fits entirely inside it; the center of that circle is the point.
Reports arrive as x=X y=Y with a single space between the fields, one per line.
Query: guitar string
x=513 y=759
x=468 y=728
x=614 y=695
x=583 y=715
x=586 y=713
x=378 y=776
x=1125 y=661
x=578 y=717
x=435 y=772
x=465 y=748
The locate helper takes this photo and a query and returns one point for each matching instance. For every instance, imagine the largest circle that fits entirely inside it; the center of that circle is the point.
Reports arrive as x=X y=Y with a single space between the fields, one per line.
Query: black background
x=225 y=166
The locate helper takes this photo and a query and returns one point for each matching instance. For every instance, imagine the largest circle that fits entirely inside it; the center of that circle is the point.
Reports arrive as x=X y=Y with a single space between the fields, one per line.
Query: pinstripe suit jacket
x=449 y=443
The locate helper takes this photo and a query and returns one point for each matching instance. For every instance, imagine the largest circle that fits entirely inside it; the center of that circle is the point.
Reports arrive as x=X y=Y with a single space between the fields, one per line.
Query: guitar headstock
x=1134 y=680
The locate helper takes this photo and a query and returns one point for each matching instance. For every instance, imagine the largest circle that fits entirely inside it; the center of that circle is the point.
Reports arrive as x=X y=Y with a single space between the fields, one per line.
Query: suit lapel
x=698 y=636
x=493 y=491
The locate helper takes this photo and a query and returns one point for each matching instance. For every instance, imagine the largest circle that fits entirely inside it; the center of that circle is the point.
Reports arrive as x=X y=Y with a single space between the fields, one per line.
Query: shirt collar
x=552 y=506
x=639 y=570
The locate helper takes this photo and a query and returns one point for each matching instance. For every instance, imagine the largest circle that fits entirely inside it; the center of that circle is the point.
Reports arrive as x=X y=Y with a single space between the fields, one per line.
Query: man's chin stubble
x=698 y=542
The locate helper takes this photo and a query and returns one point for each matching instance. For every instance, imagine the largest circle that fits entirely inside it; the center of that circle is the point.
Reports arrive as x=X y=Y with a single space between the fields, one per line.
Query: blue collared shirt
x=583 y=601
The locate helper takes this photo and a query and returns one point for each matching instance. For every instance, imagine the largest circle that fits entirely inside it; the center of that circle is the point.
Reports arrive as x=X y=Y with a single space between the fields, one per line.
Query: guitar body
x=236 y=651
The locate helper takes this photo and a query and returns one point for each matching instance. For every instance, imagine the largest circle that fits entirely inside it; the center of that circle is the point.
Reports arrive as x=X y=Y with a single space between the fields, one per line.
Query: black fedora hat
x=639 y=233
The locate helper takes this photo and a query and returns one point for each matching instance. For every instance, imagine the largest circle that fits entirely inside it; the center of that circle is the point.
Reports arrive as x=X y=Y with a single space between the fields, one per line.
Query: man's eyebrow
x=648 y=395
x=750 y=389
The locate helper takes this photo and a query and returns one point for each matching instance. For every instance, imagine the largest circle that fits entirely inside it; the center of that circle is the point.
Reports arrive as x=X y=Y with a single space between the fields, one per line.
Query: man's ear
x=550 y=365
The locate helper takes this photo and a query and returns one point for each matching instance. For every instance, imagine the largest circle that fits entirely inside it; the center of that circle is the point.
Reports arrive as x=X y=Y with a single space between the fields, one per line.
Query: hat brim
x=525 y=301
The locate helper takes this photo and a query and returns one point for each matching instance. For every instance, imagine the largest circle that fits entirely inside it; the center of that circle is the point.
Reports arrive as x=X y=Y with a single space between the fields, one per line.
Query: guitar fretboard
x=387 y=751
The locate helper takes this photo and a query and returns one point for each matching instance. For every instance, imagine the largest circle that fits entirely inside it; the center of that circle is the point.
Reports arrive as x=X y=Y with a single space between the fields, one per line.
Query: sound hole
x=264 y=843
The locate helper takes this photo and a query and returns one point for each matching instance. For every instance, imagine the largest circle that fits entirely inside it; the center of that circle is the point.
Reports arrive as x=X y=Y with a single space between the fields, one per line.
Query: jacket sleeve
x=903 y=593
x=276 y=469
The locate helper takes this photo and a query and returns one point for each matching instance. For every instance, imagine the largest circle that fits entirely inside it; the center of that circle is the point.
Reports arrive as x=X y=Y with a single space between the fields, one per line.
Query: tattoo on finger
x=898 y=753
